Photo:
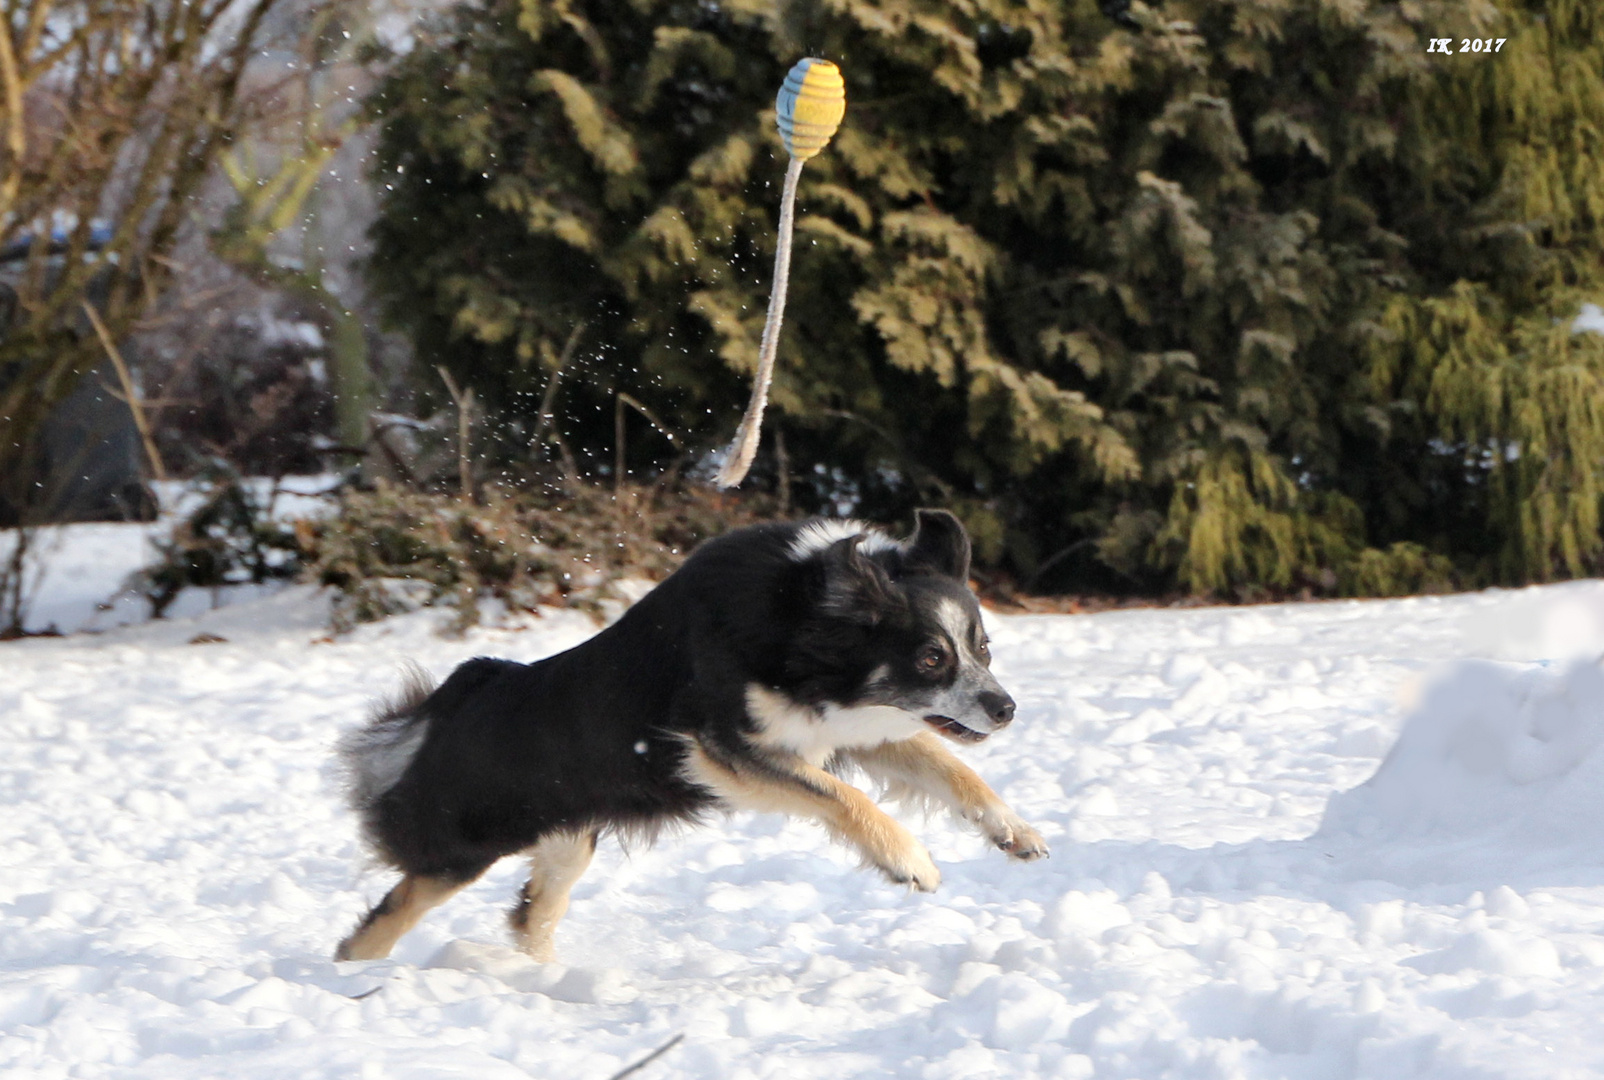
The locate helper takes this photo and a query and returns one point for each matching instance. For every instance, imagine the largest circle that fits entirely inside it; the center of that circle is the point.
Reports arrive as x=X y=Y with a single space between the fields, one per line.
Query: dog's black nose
x=1000 y=707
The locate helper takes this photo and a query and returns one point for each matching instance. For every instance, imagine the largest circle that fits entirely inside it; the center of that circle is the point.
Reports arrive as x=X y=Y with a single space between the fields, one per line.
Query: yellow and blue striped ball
x=810 y=104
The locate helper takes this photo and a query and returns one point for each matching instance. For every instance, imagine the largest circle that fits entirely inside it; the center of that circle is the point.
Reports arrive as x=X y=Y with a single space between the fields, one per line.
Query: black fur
x=594 y=738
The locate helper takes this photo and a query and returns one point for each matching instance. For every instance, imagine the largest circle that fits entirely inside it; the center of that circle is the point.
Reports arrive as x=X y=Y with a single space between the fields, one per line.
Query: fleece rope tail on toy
x=810 y=106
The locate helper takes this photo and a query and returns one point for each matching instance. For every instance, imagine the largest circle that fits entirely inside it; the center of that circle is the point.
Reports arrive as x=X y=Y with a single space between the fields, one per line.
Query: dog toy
x=810 y=105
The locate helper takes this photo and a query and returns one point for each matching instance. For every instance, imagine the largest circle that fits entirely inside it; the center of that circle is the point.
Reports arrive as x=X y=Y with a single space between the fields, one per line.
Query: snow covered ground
x=1226 y=896
x=78 y=577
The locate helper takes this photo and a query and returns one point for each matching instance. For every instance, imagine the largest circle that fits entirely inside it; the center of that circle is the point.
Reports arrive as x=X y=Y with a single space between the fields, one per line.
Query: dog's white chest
x=815 y=735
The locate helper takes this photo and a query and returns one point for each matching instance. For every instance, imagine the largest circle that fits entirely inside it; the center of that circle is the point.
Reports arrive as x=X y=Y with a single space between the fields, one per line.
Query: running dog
x=776 y=658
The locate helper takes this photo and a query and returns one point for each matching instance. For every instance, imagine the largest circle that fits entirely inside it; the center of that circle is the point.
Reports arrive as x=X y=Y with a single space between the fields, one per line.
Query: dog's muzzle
x=998 y=708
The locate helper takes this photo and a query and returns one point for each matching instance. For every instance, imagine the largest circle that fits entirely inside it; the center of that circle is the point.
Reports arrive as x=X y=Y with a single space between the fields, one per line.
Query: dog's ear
x=855 y=587
x=938 y=545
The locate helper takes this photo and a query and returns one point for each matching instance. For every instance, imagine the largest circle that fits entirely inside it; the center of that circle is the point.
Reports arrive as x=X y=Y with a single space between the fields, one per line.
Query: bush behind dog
x=389 y=549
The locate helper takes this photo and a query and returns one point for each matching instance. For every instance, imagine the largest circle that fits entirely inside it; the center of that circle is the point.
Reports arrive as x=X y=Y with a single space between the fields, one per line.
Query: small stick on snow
x=649 y=1058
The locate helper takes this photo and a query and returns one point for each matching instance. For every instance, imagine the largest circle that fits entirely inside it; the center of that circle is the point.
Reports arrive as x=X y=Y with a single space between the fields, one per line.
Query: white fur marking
x=959 y=701
x=815 y=735
x=955 y=620
x=816 y=536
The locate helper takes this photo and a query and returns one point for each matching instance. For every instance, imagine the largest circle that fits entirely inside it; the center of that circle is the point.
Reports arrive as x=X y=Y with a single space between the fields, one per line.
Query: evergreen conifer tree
x=1233 y=297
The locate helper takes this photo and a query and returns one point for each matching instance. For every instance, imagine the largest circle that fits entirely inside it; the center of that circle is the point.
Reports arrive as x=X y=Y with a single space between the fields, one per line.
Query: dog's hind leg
x=397 y=913
x=923 y=767
x=555 y=864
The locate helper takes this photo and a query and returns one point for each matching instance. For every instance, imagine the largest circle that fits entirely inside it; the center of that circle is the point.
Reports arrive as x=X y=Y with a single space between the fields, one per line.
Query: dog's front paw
x=912 y=866
x=1010 y=833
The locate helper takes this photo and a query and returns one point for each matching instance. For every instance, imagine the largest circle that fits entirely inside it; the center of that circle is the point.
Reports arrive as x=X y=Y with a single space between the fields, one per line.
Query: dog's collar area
x=952 y=729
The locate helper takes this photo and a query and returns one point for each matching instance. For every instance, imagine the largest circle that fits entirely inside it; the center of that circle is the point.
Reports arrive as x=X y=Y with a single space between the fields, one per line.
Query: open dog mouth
x=952 y=729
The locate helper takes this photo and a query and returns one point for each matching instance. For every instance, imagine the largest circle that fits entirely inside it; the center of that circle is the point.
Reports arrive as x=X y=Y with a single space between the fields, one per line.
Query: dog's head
x=895 y=625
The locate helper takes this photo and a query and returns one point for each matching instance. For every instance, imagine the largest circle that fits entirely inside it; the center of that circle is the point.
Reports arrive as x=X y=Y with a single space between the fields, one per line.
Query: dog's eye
x=984 y=651
x=932 y=658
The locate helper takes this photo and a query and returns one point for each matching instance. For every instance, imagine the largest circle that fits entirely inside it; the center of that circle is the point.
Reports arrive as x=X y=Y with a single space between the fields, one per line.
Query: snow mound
x=1507 y=754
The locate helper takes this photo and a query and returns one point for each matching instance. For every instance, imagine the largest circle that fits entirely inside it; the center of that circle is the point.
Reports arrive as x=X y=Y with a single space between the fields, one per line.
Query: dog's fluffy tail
x=376 y=754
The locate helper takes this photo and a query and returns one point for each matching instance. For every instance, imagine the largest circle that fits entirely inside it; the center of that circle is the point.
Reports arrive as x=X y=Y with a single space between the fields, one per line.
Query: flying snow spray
x=810 y=105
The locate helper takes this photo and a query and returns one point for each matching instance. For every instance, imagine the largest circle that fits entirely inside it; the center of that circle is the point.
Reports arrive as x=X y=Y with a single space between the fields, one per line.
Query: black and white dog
x=773 y=659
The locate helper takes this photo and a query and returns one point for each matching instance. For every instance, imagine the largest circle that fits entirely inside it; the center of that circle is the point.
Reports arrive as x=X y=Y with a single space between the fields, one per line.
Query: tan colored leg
x=397 y=913
x=555 y=864
x=925 y=768
x=792 y=786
